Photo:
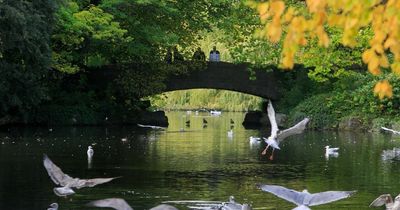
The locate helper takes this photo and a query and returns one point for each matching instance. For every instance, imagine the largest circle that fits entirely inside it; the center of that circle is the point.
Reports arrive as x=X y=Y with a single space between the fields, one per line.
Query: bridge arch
x=228 y=76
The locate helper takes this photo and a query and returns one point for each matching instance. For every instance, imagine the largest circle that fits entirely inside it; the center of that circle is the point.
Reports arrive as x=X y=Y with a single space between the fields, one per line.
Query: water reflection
x=90 y=162
x=198 y=164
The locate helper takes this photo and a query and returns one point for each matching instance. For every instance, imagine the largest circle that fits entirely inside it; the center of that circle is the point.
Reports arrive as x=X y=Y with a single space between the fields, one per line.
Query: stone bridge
x=228 y=76
x=267 y=81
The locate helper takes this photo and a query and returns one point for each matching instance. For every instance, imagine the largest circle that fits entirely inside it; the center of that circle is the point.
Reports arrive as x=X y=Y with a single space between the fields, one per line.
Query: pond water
x=201 y=163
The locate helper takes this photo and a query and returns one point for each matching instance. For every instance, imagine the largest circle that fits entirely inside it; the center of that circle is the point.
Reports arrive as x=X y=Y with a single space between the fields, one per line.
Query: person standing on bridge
x=168 y=56
x=177 y=56
x=214 y=55
x=199 y=55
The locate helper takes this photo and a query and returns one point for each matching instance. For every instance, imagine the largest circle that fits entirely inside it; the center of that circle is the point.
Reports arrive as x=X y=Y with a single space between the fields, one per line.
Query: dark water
x=199 y=164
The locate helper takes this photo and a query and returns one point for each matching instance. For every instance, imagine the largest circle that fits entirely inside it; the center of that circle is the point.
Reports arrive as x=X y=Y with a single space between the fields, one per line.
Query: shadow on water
x=202 y=163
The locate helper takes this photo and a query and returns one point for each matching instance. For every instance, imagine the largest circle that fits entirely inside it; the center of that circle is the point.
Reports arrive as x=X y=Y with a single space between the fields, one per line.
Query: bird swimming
x=253 y=138
x=233 y=205
x=305 y=199
x=151 y=126
x=254 y=141
x=66 y=182
x=391 y=154
x=121 y=204
x=53 y=206
x=215 y=113
x=276 y=137
x=90 y=151
x=230 y=133
x=331 y=151
x=386 y=199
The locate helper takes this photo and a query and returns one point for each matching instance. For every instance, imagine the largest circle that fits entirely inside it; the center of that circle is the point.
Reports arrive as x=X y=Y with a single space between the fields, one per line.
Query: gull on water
x=386 y=199
x=121 y=204
x=66 y=182
x=90 y=151
x=53 y=206
x=230 y=133
x=233 y=205
x=305 y=199
x=215 y=113
x=276 y=137
x=254 y=140
x=390 y=130
x=151 y=126
x=391 y=154
x=331 y=151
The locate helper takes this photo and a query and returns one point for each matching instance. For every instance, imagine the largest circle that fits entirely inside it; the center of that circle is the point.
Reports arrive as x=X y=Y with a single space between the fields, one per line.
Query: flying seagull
x=66 y=182
x=276 y=137
x=121 y=204
x=386 y=199
x=304 y=199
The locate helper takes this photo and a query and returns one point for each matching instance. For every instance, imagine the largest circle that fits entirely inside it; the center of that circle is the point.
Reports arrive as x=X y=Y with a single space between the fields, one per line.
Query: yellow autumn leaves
x=383 y=89
x=349 y=15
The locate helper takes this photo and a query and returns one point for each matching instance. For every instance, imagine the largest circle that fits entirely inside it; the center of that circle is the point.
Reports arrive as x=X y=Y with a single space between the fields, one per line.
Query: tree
x=86 y=36
x=306 y=25
x=25 y=55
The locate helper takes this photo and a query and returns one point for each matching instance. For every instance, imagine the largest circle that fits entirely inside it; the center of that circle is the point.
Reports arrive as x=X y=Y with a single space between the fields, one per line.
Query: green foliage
x=239 y=37
x=85 y=37
x=296 y=86
x=350 y=95
x=156 y=25
x=332 y=61
x=25 y=54
x=321 y=116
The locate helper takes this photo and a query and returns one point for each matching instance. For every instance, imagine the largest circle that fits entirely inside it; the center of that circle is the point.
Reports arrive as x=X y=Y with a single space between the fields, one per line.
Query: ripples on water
x=198 y=164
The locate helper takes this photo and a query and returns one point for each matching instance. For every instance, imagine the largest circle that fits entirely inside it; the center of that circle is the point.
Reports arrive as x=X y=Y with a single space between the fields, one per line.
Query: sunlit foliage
x=299 y=28
x=209 y=99
x=85 y=37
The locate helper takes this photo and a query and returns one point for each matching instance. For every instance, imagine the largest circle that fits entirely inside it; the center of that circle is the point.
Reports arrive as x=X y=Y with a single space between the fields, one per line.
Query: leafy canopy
x=85 y=37
x=301 y=27
x=25 y=54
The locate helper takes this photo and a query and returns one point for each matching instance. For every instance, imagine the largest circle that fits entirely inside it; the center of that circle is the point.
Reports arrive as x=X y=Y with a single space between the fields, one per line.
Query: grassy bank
x=347 y=100
x=205 y=98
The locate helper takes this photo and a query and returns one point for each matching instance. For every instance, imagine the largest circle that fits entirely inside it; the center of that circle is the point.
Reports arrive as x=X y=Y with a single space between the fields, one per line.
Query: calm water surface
x=198 y=164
